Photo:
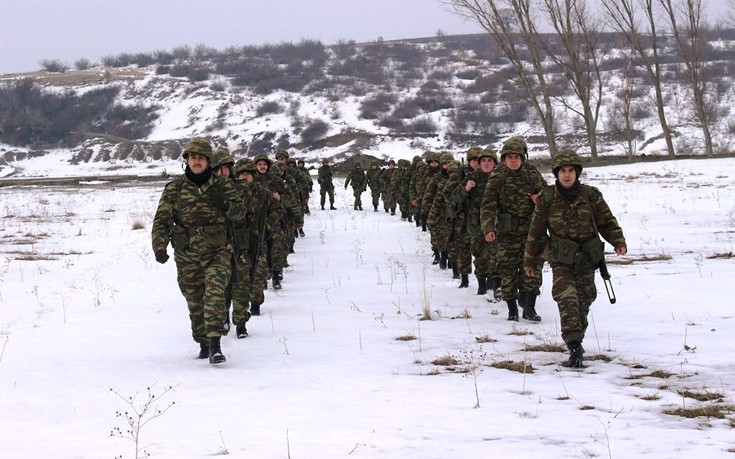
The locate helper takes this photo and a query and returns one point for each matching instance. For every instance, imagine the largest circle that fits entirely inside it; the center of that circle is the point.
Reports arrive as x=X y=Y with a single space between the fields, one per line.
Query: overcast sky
x=32 y=30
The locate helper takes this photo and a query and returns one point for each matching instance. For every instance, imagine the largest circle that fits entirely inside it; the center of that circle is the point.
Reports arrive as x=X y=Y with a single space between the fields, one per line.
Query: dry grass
x=405 y=338
x=650 y=397
x=520 y=332
x=520 y=367
x=485 y=339
x=642 y=259
x=599 y=357
x=545 y=348
x=586 y=407
x=445 y=361
x=705 y=396
x=709 y=411
x=726 y=255
x=138 y=225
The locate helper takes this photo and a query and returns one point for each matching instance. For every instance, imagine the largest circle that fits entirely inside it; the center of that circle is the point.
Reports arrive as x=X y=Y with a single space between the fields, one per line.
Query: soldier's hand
x=470 y=185
x=161 y=256
x=219 y=200
x=490 y=237
x=622 y=250
x=530 y=272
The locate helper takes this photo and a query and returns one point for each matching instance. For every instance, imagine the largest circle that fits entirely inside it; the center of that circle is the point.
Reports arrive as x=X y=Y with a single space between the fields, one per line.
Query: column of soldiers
x=481 y=212
x=232 y=225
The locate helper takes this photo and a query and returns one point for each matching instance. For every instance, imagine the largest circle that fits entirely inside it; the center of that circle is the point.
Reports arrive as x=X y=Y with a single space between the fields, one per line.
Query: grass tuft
x=520 y=367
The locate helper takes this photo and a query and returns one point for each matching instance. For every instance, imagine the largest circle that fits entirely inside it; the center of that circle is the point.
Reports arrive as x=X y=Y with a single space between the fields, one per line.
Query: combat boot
x=203 y=351
x=481 y=285
x=443 y=260
x=322 y=206
x=512 y=310
x=423 y=227
x=576 y=351
x=331 y=206
x=254 y=308
x=410 y=218
x=301 y=232
x=354 y=207
x=375 y=208
x=276 y=280
x=497 y=291
x=241 y=330
x=418 y=220
x=437 y=257
x=465 y=281
x=455 y=271
x=215 y=352
x=529 y=307
x=359 y=206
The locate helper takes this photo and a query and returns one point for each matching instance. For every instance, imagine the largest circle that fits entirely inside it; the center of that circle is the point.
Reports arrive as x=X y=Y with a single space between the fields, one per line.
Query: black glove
x=161 y=256
x=219 y=200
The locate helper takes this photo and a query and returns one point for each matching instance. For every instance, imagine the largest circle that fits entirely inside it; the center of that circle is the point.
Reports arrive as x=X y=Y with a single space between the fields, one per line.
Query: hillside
x=379 y=99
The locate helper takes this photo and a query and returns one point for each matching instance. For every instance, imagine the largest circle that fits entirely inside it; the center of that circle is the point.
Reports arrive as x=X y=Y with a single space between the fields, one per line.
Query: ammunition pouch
x=570 y=253
x=215 y=235
x=595 y=250
x=179 y=238
x=509 y=223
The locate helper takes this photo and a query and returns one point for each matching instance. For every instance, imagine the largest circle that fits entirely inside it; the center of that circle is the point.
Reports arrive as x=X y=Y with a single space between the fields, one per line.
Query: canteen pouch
x=179 y=239
x=504 y=223
x=595 y=250
x=565 y=251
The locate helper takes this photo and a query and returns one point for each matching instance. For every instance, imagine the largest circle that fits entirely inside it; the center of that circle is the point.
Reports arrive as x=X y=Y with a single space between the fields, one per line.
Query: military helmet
x=374 y=162
x=276 y=168
x=417 y=159
x=282 y=154
x=446 y=158
x=473 y=153
x=566 y=158
x=453 y=166
x=392 y=161
x=245 y=165
x=222 y=157
x=433 y=156
x=516 y=145
x=263 y=158
x=358 y=165
x=404 y=163
x=200 y=146
x=488 y=153
x=325 y=161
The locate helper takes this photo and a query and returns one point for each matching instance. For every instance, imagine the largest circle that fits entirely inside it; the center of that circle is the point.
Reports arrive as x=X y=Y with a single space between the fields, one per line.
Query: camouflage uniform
x=389 y=202
x=324 y=178
x=264 y=206
x=419 y=182
x=433 y=208
x=192 y=214
x=399 y=188
x=279 y=241
x=413 y=173
x=566 y=219
x=506 y=213
x=309 y=185
x=359 y=183
x=372 y=176
x=483 y=252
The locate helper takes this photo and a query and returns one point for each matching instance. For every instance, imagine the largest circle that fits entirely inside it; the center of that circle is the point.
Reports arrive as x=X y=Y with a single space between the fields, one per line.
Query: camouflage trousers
x=257 y=287
x=485 y=254
x=357 y=193
x=241 y=291
x=278 y=246
x=202 y=278
x=375 y=194
x=404 y=206
x=439 y=235
x=510 y=252
x=323 y=195
x=461 y=251
x=574 y=291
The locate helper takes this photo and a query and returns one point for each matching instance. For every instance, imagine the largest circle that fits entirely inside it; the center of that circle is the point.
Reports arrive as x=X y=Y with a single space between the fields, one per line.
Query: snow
x=86 y=312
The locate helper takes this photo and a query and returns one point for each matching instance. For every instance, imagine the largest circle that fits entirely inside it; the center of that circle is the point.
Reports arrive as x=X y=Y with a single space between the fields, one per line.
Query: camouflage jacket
x=307 y=179
x=385 y=178
x=508 y=193
x=373 y=179
x=324 y=178
x=357 y=178
x=557 y=218
x=473 y=197
x=186 y=217
x=432 y=189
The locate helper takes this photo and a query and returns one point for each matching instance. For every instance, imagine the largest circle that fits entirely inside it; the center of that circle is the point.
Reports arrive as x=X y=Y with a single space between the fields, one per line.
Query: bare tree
x=580 y=58
x=686 y=18
x=623 y=15
x=511 y=24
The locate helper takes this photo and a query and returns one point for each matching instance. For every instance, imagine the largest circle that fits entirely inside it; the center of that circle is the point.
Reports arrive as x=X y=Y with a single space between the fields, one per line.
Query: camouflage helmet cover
x=453 y=166
x=245 y=165
x=566 y=158
x=263 y=158
x=433 y=156
x=221 y=158
x=282 y=154
x=392 y=161
x=276 y=168
x=374 y=162
x=404 y=163
x=488 y=153
x=446 y=158
x=200 y=146
x=473 y=153
x=515 y=145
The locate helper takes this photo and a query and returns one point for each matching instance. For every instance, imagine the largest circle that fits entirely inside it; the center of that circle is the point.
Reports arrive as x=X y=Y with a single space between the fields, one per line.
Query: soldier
x=414 y=171
x=399 y=188
x=433 y=211
x=296 y=181
x=192 y=215
x=263 y=214
x=357 y=178
x=372 y=176
x=505 y=216
x=324 y=178
x=389 y=203
x=564 y=229
x=278 y=242
x=309 y=184
x=424 y=176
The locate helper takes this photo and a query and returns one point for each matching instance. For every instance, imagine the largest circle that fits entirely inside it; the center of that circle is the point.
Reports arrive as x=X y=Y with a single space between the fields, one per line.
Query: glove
x=219 y=200
x=161 y=256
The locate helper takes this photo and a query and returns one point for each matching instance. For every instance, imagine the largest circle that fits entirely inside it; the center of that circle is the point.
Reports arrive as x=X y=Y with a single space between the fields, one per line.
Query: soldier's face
x=513 y=161
x=474 y=163
x=246 y=176
x=433 y=164
x=262 y=166
x=567 y=176
x=196 y=162
x=281 y=160
x=224 y=171
x=487 y=164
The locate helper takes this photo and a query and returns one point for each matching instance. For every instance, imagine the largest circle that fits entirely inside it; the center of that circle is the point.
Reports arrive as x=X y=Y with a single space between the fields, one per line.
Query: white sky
x=32 y=30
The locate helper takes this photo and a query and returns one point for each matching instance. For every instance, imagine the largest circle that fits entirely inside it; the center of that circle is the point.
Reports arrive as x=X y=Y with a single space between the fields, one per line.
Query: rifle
x=235 y=275
x=261 y=238
x=602 y=265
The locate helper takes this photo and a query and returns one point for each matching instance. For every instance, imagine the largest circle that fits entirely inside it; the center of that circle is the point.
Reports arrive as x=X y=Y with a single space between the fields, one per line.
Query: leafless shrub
x=53 y=65
x=82 y=63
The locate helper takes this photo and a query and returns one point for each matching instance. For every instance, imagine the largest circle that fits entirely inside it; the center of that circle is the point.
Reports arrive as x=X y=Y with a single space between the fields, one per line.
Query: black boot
x=277 y=280
x=423 y=227
x=481 y=285
x=529 y=307
x=455 y=271
x=410 y=218
x=254 y=308
x=443 y=260
x=215 y=352
x=241 y=330
x=418 y=220
x=354 y=207
x=331 y=206
x=359 y=206
x=437 y=257
x=203 y=350
x=322 y=206
x=576 y=351
x=512 y=310
x=465 y=281
x=375 y=208
x=301 y=232
x=497 y=291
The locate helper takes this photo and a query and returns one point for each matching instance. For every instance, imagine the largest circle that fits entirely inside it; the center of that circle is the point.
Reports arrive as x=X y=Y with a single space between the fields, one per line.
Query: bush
x=269 y=107
x=314 y=130
x=53 y=65
x=375 y=106
x=424 y=125
x=82 y=63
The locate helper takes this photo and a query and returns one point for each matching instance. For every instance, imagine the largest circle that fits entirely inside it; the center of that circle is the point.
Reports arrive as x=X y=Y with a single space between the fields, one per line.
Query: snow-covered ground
x=89 y=319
